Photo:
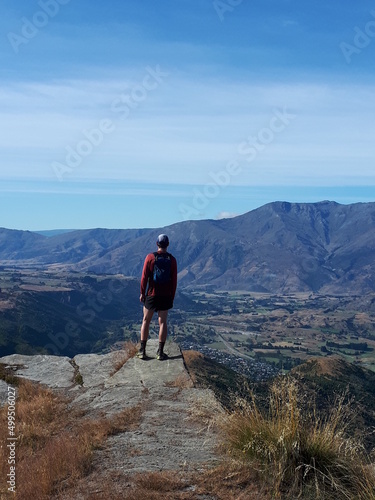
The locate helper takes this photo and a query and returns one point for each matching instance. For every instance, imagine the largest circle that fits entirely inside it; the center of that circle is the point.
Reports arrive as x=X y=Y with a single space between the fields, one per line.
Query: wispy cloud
x=184 y=133
x=128 y=189
x=287 y=23
x=225 y=80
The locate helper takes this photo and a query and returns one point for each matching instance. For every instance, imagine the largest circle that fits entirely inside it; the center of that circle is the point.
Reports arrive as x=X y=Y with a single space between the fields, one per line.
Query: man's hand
x=142 y=298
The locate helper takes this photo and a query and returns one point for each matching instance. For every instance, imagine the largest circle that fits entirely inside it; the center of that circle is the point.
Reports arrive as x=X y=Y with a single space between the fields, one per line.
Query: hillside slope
x=323 y=379
x=279 y=248
x=85 y=315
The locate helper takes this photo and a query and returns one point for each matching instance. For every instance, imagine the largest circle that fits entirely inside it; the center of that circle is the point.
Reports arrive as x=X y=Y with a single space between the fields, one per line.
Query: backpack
x=162 y=268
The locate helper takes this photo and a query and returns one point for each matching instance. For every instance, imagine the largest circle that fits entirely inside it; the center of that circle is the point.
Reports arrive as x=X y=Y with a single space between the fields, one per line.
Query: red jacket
x=158 y=289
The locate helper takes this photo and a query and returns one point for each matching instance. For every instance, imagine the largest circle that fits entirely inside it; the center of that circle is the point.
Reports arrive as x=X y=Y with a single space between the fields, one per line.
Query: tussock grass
x=36 y=411
x=56 y=443
x=299 y=454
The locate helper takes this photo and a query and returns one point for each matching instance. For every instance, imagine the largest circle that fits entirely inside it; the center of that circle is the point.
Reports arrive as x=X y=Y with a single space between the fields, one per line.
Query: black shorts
x=155 y=303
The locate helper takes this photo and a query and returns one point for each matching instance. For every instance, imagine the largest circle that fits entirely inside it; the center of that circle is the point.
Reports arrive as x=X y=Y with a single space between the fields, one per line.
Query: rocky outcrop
x=168 y=437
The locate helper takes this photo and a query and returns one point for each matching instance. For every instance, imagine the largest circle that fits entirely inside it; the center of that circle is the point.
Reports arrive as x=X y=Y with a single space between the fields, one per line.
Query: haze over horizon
x=129 y=115
x=221 y=216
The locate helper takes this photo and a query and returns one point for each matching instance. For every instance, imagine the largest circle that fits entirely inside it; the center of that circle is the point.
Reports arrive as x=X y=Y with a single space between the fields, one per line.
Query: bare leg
x=147 y=317
x=163 y=330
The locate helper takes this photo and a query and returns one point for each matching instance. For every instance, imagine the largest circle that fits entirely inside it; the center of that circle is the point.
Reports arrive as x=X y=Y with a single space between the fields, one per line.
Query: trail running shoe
x=141 y=354
x=161 y=356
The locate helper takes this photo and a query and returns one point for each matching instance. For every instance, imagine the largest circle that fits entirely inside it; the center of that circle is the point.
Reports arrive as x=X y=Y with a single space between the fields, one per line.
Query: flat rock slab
x=106 y=390
x=95 y=369
x=53 y=371
x=170 y=435
x=150 y=372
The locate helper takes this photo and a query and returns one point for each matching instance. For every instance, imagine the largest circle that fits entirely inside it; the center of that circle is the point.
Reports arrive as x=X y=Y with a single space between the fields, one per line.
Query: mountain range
x=280 y=247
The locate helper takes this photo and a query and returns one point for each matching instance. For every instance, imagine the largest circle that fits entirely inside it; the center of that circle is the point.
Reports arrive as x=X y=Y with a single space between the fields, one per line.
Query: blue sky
x=141 y=113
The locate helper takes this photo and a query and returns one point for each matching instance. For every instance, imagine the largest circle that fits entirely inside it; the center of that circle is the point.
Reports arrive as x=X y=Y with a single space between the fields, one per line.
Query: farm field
x=287 y=330
x=35 y=305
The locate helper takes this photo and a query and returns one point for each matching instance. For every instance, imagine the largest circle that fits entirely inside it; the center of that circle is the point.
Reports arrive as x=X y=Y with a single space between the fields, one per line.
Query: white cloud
x=226 y=215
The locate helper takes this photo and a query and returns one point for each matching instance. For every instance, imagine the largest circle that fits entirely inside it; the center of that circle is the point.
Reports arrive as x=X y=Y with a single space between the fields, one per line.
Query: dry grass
x=36 y=412
x=283 y=453
x=206 y=410
x=182 y=381
x=225 y=482
x=161 y=482
x=299 y=456
x=8 y=375
x=55 y=443
x=157 y=485
x=189 y=358
x=232 y=481
x=331 y=366
x=121 y=357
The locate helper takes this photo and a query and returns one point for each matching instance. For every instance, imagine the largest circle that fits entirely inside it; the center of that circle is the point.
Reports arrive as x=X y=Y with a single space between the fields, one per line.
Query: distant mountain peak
x=281 y=247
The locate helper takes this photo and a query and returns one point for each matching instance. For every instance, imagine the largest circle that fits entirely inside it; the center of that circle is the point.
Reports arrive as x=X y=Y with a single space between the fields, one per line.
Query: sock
x=143 y=345
x=161 y=347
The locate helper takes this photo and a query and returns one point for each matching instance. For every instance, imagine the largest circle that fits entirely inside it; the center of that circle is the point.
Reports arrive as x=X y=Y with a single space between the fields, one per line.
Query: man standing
x=158 y=288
